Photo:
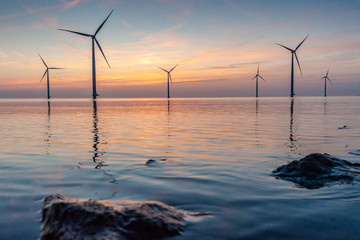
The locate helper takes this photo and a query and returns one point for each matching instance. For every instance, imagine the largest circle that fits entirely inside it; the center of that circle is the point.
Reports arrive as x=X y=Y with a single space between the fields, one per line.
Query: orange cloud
x=71 y=4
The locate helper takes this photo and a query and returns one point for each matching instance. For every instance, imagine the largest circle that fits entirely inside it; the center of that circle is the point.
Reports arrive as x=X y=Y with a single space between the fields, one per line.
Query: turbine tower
x=257 y=84
x=47 y=72
x=94 y=40
x=293 y=53
x=169 y=79
x=326 y=78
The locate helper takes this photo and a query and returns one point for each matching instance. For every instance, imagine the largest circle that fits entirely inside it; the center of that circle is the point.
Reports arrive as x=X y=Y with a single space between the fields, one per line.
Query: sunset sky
x=217 y=44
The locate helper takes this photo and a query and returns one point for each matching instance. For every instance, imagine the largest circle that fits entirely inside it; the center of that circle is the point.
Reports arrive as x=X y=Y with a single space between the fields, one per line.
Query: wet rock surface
x=318 y=170
x=66 y=218
x=151 y=162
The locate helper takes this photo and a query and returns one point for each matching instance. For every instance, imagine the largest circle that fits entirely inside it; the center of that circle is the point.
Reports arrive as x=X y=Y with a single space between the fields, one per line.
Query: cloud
x=168 y=1
x=30 y=10
x=3 y=55
x=209 y=53
x=127 y=24
x=175 y=27
x=7 y=63
x=71 y=4
x=203 y=81
x=235 y=65
x=49 y=21
x=164 y=37
x=133 y=29
x=154 y=47
x=18 y=54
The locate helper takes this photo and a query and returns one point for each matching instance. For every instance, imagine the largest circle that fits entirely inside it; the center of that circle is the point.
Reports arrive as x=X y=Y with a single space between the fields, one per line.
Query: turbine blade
x=174 y=67
x=327 y=72
x=103 y=23
x=44 y=75
x=82 y=34
x=56 y=68
x=297 y=60
x=171 y=79
x=301 y=43
x=102 y=52
x=284 y=47
x=330 y=81
x=262 y=78
x=258 y=69
x=254 y=77
x=163 y=69
x=43 y=61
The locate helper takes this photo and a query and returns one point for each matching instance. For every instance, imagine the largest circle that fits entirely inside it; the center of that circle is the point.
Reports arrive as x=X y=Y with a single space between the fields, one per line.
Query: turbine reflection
x=48 y=129
x=96 y=141
x=167 y=152
x=291 y=137
x=256 y=121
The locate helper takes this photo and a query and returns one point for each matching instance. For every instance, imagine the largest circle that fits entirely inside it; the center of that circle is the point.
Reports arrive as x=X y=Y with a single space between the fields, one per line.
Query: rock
x=154 y=162
x=318 y=170
x=66 y=218
x=150 y=161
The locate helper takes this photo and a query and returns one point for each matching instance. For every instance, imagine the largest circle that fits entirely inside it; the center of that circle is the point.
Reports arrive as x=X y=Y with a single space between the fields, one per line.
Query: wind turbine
x=326 y=78
x=293 y=53
x=94 y=40
x=169 y=79
x=257 y=76
x=47 y=72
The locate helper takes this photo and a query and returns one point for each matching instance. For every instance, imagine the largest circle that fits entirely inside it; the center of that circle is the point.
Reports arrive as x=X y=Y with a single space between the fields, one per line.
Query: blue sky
x=217 y=43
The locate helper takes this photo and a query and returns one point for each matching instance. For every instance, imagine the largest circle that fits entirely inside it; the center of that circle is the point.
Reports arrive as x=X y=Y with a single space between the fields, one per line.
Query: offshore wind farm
x=194 y=132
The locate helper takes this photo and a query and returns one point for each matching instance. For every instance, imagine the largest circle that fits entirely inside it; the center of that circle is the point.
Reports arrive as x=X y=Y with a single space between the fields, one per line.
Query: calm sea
x=212 y=155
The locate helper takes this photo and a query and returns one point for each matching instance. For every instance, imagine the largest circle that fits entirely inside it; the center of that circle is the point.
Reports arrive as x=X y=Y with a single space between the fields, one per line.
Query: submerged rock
x=318 y=170
x=66 y=218
x=152 y=161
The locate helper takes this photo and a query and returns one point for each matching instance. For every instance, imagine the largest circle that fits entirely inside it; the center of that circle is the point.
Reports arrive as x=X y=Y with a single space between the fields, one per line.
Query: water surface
x=213 y=155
